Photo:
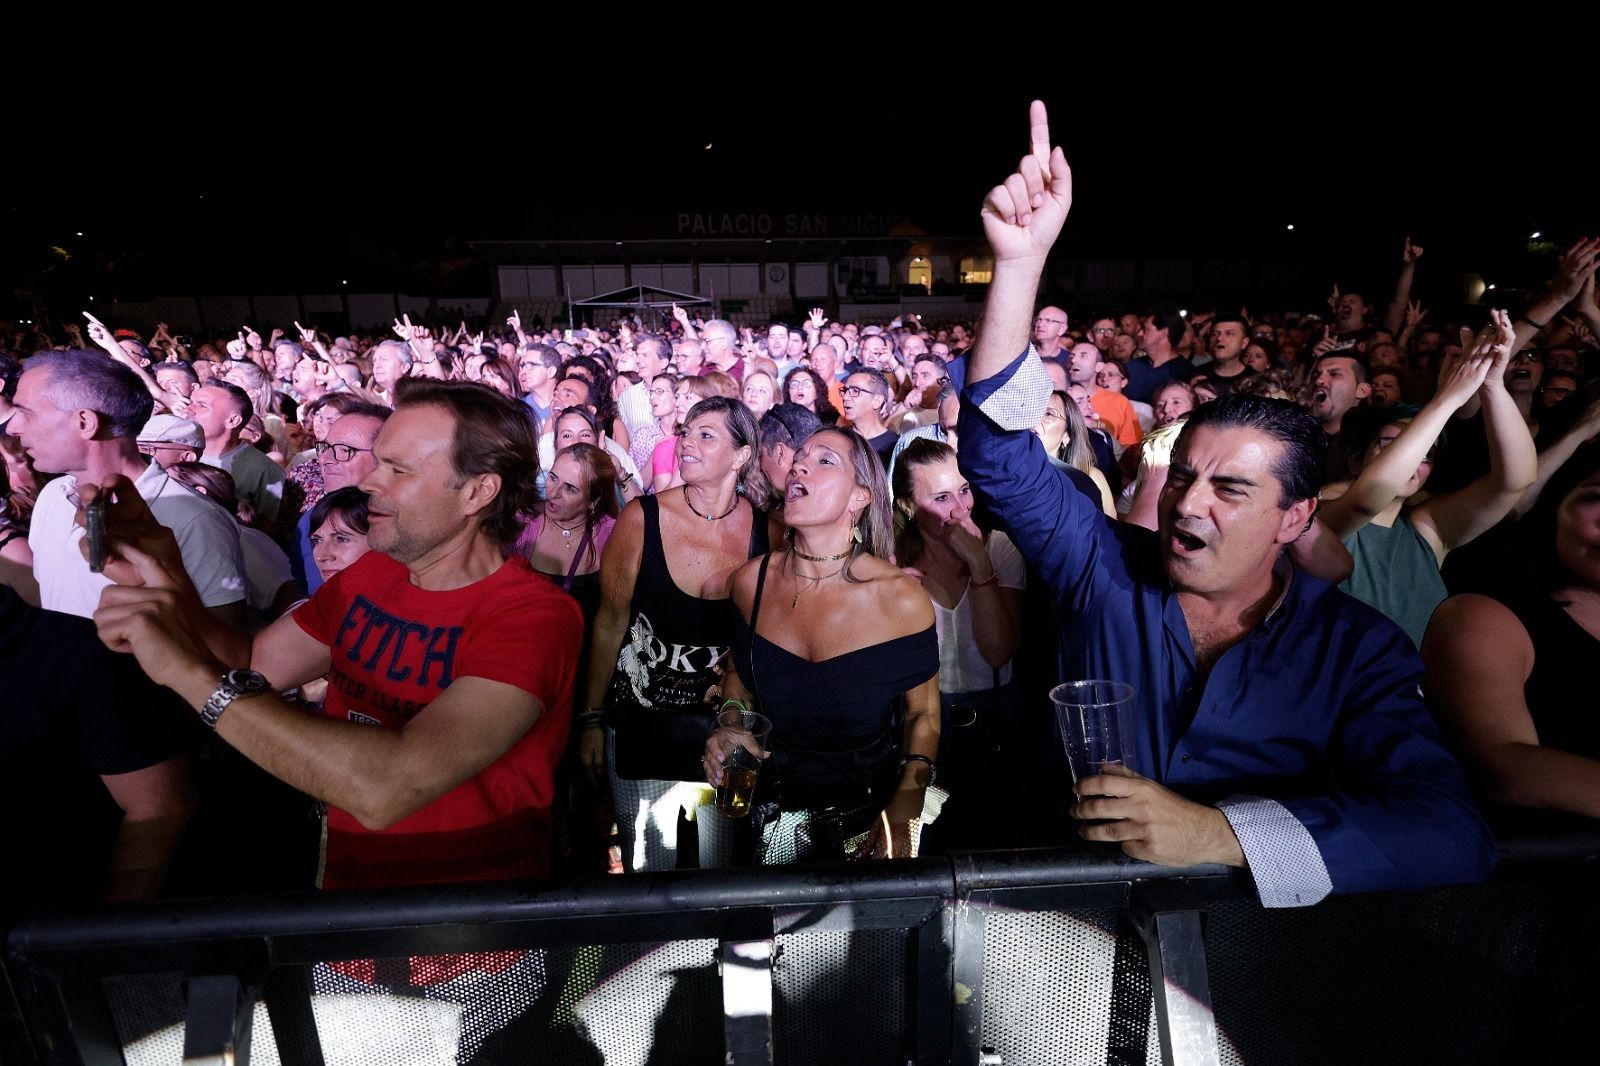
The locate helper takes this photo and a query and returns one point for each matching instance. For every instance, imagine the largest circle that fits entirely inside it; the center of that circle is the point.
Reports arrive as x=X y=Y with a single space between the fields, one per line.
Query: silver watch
x=235 y=685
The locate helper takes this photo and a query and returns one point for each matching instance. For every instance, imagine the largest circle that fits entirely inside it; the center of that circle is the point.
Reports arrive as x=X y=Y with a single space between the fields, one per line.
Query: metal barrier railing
x=951 y=923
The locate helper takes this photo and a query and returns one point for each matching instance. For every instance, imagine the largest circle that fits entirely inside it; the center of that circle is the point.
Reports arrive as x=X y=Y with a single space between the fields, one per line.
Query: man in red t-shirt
x=450 y=667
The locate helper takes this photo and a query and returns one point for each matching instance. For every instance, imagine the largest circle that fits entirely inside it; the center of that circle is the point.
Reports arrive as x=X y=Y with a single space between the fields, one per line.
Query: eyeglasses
x=1052 y=321
x=342 y=453
x=151 y=447
x=1565 y=390
x=1106 y=330
x=853 y=391
x=1051 y=416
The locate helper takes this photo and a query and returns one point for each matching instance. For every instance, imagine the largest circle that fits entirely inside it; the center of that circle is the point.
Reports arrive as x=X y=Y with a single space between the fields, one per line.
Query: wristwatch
x=235 y=685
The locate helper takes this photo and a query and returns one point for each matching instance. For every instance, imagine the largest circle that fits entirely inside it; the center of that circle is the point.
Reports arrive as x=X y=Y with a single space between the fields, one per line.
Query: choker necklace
x=709 y=517
x=819 y=558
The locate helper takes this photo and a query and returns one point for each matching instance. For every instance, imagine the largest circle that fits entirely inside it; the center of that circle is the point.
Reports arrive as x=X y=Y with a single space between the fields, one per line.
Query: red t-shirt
x=394 y=648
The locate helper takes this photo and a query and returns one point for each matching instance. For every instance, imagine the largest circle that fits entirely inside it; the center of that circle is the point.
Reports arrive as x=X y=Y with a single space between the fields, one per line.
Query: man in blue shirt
x=1281 y=718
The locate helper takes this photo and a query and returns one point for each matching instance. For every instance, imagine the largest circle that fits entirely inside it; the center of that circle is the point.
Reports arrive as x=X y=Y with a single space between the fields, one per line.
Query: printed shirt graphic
x=394 y=648
x=656 y=676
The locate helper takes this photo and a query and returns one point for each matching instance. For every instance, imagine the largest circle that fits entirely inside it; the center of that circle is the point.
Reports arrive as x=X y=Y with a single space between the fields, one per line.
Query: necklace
x=566 y=533
x=820 y=558
x=814 y=581
x=709 y=517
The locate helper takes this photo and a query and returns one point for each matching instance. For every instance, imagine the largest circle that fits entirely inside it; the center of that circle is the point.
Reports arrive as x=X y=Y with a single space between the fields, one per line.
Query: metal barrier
x=994 y=958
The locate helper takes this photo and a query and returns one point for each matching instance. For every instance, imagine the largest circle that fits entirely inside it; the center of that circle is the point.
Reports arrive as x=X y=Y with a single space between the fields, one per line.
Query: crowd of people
x=432 y=605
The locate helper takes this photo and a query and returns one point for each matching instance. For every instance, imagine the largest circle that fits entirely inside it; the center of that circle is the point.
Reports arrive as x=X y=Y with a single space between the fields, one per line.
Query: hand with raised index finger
x=1411 y=252
x=252 y=338
x=307 y=336
x=1023 y=216
x=97 y=330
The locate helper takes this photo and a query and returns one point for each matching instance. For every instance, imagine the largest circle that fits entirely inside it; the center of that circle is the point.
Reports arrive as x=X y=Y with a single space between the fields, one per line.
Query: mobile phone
x=95 y=528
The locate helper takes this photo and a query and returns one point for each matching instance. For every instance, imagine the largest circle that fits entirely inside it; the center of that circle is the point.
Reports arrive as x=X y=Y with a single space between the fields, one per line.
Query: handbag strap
x=755 y=618
x=583 y=546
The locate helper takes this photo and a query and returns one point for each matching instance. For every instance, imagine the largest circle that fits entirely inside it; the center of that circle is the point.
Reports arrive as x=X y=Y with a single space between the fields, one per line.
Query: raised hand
x=1414 y=314
x=1576 y=266
x=1023 y=216
x=1462 y=376
x=816 y=320
x=1494 y=344
x=1333 y=300
x=680 y=314
x=403 y=329
x=237 y=348
x=277 y=335
x=97 y=332
x=1411 y=253
x=251 y=337
x=514 y=321
x=1584 y=302
x=308 y=337
x=1326 y=344
x=74 y=332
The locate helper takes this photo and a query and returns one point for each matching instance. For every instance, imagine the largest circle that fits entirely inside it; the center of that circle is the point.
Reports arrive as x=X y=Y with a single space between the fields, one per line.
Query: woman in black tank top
x=662 y=635
x=1515 y=679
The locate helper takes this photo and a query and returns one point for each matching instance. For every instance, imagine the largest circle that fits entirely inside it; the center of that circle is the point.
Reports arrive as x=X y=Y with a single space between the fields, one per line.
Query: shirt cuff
x=1015 y=398
x=1284 y=859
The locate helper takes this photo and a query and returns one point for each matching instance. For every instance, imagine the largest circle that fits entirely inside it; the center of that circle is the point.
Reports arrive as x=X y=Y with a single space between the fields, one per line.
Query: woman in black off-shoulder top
x=837 y=647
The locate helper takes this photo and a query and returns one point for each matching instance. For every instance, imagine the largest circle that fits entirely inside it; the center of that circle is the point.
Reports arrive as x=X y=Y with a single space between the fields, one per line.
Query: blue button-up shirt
x=1310 y=733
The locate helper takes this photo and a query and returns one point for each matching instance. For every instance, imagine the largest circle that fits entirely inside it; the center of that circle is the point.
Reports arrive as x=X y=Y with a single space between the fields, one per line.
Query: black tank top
x=836 y=724
x=670 y=659
x=1564 y=655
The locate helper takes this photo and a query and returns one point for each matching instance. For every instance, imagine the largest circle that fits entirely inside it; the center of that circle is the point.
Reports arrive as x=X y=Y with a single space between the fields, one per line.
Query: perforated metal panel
x=841 y=997
x=653 y=1004
x=1444 y=977
x=1047 y=989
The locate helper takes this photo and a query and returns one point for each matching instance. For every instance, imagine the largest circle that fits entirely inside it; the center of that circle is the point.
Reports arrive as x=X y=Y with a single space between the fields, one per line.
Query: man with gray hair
x=79 y=413
x=868 y=402
x=391 y=363
x=721 y=342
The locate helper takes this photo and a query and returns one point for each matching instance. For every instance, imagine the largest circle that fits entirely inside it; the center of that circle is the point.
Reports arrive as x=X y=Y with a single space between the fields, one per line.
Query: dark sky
x=291 y=183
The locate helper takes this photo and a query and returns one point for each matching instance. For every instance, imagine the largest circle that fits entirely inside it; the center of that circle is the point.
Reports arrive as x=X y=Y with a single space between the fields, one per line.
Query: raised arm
x=1395 y=316
x=1553 y=458
x=1387 y=475
x=1022 y=217
x=103 y=338
x=1458 y=517
x=1053 y=516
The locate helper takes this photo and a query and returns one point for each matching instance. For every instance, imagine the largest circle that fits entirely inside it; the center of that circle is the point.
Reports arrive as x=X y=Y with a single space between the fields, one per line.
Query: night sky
x=391 y=185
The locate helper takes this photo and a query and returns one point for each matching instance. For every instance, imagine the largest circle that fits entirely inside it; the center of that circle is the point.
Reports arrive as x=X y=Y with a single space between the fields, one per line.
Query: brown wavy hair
x=494 y=435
